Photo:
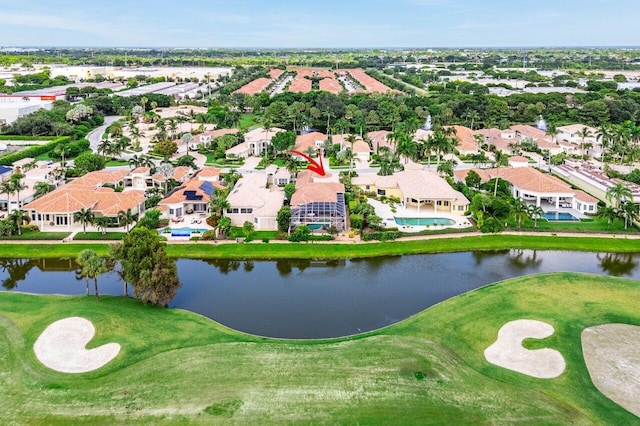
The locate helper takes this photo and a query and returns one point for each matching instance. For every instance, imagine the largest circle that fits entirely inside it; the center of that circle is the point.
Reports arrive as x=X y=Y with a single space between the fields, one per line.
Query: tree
x=88 y=162
x=93 y=266
x=42 y=188
x=610 y=214
x=473 y=179
x=81 y=260
x=535 y=212
x=223 y=225
x=284 y=219
x=18 y=218
x=583 y=134
x=620 y=192
x=104 y=147
x=166 y=170
x=166 y=149
x=218 y=204
x=102 y=223
x=146 y=266
x=519 y=211
x=187 y=139
x=126 y=218
x=629 y=212
x=283 y=141
x=499 y=158
x=85 y=216
x=248 y=228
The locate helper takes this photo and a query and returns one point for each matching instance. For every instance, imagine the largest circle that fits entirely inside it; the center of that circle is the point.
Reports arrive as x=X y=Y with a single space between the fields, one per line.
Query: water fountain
x=427 y=123
x=541 y=124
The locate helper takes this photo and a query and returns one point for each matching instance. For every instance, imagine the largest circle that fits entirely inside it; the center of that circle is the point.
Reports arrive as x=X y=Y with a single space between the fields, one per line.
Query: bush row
x=24 y=138
x=34 y=151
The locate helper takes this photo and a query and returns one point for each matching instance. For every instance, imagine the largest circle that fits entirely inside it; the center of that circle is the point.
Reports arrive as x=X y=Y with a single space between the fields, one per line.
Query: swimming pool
x=424 y=221
x=559 y=216
x=186 y=232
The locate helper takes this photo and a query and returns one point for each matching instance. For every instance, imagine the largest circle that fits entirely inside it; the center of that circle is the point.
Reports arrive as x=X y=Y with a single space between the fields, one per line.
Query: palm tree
x=407 y=146
x=104 y=147
x=126 y=218
x=102 y=222
x=583 y=134
x=629 y=212
x=187 y=139
x=535 y=212
x=42 y=188
x=218 y=205
x=620 y=192
x=18 y=218
x=62 y=150
x=167 y=171
x=519 y=211
x=16 y=182
x=93 y=266
x=173 y=127
x=8 y=188
x=85 y=216
x=499 y=158
x=292 y=166
x=608 y=213
x=81 y=260
x=348 y=155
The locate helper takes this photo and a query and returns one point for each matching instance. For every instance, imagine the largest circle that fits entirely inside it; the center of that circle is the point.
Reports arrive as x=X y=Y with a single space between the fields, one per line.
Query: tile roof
x=256 y=86
x=529 y=131
x=251 y=191
x=309 y=191
x=370 y=84
x=303 y=142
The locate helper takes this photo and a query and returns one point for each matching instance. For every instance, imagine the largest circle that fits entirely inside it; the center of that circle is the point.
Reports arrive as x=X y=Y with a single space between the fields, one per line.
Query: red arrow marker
x=315 y=166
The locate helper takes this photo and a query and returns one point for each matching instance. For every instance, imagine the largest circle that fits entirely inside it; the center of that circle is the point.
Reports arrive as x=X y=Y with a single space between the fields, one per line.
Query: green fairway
x=317 y=250
x=180 y=368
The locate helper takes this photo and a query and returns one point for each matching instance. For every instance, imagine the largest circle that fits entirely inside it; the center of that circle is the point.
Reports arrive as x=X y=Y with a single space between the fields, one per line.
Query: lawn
x=117 y=163
x=99 y=236
x=248 y=120
x=202 y=250
x=180 y=368
x=585 y=225
x=37 y=235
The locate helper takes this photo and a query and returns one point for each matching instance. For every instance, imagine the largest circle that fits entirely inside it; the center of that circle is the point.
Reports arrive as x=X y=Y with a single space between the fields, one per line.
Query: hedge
x=24 y=138
x=34 y=151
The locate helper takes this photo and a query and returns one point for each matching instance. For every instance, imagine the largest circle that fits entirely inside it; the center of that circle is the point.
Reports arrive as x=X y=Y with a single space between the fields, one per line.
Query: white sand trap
x=62 y=347
x=612 y=355
x=507 y=351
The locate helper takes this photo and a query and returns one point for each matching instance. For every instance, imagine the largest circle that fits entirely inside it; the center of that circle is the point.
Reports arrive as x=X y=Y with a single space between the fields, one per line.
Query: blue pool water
x=186 y=232
x=559 y=216
x=423 y=221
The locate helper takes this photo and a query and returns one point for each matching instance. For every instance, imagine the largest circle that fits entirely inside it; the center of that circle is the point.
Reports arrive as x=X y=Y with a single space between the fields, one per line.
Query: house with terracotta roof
x=318 y=202
x=571 y=132
x=252 y=200
x=379 y=139
x=518 y=161
x=313 y=140
x=467 y=144
x=255 y=143
x=361 y=149
x=535 y=187
x=192 y=196
x=93 y=191
x=523 y=130
x=421 y=189
x=142 y=179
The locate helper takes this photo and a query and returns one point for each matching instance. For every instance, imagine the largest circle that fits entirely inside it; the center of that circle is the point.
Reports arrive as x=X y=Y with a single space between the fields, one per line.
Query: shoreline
x=345 y=248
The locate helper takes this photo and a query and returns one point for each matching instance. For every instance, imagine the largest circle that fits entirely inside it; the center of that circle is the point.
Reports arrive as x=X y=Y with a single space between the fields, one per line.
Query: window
x=171 y=211
x=439 y=203
x=591 y=208
x=382 y=192
x=367 y=187
x=245 y=211
x=446 y=203
x=255 y=220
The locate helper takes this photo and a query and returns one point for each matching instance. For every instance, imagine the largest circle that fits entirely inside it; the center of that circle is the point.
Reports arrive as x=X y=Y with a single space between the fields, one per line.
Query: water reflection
x=618 y=264
x=316 y=299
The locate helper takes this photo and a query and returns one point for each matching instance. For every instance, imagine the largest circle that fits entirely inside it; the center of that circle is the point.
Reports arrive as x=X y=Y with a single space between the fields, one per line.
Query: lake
x=308 y=299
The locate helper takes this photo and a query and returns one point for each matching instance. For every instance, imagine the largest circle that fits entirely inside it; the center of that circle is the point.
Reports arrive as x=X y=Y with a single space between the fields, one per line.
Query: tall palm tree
x=499 y=159
x=610 y=214
x=583 y=134
x=629 y=212
x=102 y=222
x=126 y=218
x=292 y=165
x=187 y=139
x=42 y=188
x=407 y=146
x=218 y=205
x=348 y=155
x=94 y=265
x=535 y=212
x=17 y=186
x=620 y=192
x=85 y=216
x=519 y=211
x=104 y=147
x=81 y=260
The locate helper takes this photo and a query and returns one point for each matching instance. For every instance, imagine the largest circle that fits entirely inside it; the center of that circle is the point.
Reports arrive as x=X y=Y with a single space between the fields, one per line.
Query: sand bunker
x=507 y=351
x=612 y=355
x=62 y=347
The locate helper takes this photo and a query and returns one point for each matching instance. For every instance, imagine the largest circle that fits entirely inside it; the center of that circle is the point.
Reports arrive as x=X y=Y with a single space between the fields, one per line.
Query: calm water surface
x=305 y=299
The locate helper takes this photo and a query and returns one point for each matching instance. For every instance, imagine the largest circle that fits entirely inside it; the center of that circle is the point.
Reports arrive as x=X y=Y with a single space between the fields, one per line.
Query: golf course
x=169 y=366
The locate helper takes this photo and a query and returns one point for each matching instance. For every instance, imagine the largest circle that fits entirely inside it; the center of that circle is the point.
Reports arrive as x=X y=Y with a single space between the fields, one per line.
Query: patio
x=388 y=217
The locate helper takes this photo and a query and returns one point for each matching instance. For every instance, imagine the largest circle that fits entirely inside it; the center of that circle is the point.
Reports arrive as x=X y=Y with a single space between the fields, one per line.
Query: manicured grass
x=98 y=236
x=248 y=120
x=36 y=235
x=116 y=163
x=585 y=225
x=203 y=250
x=175 y=367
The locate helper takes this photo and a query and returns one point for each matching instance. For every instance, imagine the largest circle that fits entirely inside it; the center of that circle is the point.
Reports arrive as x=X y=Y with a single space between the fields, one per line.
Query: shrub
x=302 y=233
x=34 y=151
x=381 y=236
x=209 y=235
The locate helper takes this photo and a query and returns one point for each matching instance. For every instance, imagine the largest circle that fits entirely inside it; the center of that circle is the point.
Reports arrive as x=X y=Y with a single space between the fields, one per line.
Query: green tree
x=620 y=192
x=84 y=216
x=610 y=214
x=519 y=211
x=284 y=219
x=248 y=228
x=92 y=267
x=146 y=266
x=81 y=260
x=473 y=179
x=126 y=218
x=102 y=223
x=535 y=212
x=18 y=218
x=166 y=149
x=500 y=159
x=283 y=141
x=629 y=212
x=88 y=162
x=42 y=188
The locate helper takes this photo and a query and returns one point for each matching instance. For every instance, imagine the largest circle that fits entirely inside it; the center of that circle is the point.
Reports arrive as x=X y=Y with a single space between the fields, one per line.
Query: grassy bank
x=274 y=250
x=179 y=368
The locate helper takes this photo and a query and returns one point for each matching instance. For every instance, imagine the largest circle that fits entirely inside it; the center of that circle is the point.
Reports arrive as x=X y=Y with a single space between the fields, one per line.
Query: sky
x=319 y=23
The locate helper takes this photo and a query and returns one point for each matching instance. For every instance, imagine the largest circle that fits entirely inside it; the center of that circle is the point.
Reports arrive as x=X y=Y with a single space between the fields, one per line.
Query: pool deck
x=388 y=217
